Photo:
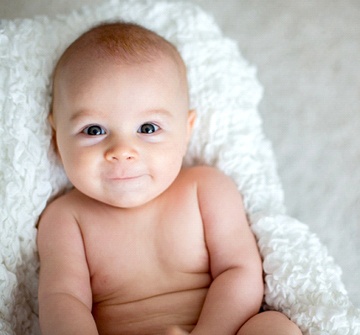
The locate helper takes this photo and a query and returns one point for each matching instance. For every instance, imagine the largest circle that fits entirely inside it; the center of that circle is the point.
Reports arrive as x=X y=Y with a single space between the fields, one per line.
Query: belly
x=150 y=316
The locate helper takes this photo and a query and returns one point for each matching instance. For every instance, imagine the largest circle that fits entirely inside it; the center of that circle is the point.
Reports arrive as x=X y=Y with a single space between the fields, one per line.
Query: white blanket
x=301 y=278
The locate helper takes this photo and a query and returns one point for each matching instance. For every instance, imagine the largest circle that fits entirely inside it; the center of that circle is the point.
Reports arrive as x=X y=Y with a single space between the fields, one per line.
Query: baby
x=141 y=245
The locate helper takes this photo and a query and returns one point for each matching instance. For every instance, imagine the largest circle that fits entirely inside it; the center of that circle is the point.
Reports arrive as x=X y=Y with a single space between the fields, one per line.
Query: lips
x=124 y=178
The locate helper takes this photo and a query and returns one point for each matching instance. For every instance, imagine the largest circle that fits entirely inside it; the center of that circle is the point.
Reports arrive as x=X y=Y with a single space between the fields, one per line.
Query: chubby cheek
x=77 y=163
x=169 y=160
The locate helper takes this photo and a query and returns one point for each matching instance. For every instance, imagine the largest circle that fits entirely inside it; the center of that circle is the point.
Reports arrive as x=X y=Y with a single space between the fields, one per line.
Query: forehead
x=98 y=85
x=116 y=47
x=88 y=71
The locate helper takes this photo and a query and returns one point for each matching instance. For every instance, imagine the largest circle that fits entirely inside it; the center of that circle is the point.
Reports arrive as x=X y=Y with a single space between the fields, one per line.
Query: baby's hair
x=122 y=42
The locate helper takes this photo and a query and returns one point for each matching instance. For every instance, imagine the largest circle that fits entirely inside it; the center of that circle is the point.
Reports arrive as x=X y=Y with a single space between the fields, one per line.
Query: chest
x=148 y=253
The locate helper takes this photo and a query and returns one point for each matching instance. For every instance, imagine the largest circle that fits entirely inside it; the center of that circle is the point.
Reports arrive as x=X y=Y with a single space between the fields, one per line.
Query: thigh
x=269 y=323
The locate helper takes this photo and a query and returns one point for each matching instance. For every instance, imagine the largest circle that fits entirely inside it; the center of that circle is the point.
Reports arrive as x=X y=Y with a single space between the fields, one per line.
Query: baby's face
x=121 y=130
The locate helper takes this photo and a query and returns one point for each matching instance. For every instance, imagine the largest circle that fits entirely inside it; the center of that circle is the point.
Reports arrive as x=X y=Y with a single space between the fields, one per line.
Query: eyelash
x=146 y=128
x=154 y=128
x=102 y=131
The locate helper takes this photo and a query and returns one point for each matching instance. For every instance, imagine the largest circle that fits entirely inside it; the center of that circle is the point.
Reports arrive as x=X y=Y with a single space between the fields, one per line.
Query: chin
x=128 y=203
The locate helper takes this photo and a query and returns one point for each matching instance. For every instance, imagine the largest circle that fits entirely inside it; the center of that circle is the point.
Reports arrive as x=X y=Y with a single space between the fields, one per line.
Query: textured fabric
x=301 y=278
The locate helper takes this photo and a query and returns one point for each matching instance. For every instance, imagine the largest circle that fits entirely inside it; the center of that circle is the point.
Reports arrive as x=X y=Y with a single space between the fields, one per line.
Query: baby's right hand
x=175 y=330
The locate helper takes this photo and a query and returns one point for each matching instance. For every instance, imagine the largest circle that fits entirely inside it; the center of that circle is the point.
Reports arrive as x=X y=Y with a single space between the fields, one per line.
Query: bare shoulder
x=59 y=208
x=210 y=180
x=59 y=222
x=204 y=174
x=217 y=193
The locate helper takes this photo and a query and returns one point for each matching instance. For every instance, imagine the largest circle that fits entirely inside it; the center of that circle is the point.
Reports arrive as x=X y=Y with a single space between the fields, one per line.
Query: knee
x=283 y=324
x=269 y=323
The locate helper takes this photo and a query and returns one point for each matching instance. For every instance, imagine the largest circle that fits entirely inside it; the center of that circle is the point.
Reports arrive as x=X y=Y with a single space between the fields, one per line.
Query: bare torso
x=149 y=266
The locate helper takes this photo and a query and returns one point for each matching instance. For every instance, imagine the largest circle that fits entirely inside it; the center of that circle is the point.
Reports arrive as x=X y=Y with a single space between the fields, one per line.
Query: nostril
x=128 y=155
x=111 y=157
x=119 y=154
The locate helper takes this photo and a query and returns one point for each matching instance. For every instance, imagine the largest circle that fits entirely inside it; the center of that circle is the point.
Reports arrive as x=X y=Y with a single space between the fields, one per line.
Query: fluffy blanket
x=301 y=278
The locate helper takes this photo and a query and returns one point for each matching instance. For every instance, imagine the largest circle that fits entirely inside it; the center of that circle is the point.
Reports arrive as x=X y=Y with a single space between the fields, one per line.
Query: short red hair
x=121 y=42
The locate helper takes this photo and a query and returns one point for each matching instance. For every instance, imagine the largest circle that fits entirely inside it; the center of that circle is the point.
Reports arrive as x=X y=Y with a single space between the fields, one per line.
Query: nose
x=121 y=151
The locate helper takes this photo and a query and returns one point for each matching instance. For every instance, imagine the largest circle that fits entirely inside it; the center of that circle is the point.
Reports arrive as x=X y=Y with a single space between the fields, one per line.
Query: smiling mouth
x=126 y=178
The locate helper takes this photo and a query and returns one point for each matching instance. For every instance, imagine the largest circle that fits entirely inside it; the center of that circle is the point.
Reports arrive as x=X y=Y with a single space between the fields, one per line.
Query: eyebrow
x=81 y=114
x=161 y=112
x=87 y=114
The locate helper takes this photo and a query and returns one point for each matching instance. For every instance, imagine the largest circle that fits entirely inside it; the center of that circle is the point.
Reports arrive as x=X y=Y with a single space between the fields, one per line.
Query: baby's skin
x=141 y=245
x=142 y=270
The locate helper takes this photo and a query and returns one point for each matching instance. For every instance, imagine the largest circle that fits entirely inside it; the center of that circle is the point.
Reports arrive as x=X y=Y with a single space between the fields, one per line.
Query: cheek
x=172 y=151
x=65 y=149
x=168 y=159
x=75 y=160
x=81 y=170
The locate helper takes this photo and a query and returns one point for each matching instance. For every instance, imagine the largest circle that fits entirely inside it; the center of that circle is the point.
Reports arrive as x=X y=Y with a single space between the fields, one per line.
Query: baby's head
x=120 y=114
x=121 y=43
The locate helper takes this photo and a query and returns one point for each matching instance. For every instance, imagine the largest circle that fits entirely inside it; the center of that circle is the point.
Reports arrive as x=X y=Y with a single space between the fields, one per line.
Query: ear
x=53 y=138
x=51 y=120
x=190 y=123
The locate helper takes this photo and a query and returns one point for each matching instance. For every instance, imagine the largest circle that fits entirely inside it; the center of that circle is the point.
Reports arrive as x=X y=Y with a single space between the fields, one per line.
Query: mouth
x=124 y=178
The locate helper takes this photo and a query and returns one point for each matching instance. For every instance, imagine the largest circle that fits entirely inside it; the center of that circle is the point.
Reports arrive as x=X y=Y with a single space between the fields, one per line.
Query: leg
x=269 y=323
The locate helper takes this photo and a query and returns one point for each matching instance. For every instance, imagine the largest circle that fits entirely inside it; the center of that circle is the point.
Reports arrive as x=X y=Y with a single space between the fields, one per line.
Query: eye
x=148 y=128
x=94 y=130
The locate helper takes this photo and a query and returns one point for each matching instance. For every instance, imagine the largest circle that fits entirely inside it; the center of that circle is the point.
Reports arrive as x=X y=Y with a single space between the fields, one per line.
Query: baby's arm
x=236 y=292
x=65 y=298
